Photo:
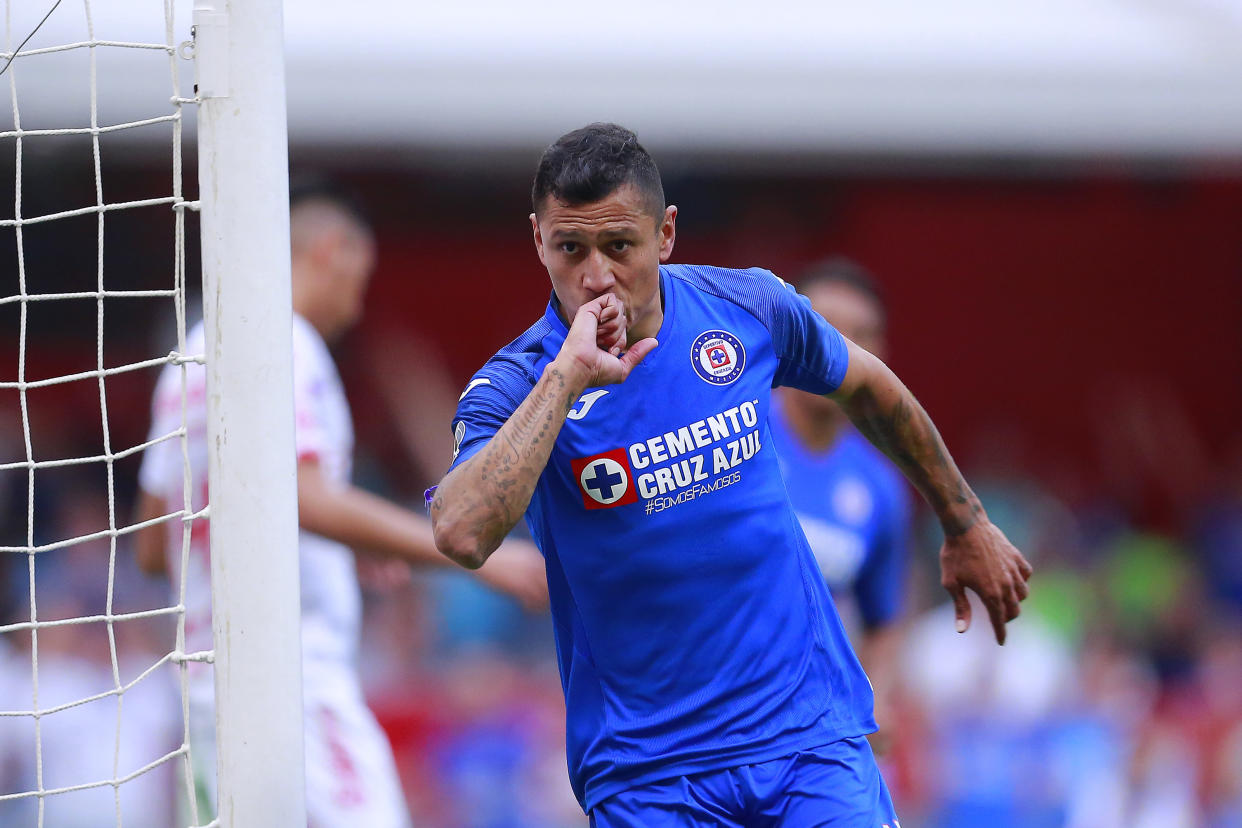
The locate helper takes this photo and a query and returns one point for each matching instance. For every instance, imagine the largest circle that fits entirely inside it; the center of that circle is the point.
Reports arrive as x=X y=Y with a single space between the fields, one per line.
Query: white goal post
x=117 y=57
x=244 y=195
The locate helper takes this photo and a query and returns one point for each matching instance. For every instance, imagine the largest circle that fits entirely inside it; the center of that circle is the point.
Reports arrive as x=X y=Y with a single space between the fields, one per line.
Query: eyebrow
x=630 y=229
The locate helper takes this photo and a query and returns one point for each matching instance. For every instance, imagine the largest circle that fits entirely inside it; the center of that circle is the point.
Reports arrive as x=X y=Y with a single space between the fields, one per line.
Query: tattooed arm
x=975 y=554
x=477 y=503
x=480 y=501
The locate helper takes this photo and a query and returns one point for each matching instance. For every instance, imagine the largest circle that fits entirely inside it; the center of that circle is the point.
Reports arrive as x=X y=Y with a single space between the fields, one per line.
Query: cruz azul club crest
x=718 y=357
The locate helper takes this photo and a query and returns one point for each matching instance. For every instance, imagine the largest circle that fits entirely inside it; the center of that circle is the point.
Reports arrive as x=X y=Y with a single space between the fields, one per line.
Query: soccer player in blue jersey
x=850 y=499
x=708 y=680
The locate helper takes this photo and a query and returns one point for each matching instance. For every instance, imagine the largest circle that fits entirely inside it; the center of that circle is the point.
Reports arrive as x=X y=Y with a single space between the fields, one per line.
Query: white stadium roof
x=909 y=77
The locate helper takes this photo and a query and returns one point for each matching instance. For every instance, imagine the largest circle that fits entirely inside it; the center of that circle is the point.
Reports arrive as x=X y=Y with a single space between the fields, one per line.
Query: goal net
x=95 y=671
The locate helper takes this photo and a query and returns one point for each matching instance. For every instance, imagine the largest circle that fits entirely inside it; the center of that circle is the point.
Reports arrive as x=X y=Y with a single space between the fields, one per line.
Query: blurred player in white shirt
x=351 y=778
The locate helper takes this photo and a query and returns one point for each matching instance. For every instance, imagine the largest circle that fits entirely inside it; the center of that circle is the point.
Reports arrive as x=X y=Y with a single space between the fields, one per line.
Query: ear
x=534 y=226
x=668 y=232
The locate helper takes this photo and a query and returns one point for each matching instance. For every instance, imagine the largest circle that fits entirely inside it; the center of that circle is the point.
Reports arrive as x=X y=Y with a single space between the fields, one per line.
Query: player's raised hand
x=984 y=560
x=610 y=329
x=595 y=341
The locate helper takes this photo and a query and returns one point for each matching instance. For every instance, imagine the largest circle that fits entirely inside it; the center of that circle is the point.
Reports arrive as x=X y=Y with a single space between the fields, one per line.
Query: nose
x=597 y=276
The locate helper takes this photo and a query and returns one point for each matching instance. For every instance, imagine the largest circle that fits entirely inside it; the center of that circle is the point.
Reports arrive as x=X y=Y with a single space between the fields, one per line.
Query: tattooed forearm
x=892 y=419
x=478 y=503
x=530 y=425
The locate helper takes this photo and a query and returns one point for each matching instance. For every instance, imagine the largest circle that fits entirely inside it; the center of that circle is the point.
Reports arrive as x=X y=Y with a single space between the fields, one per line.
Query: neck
x=649 y=324
x=316 y=320
x=816 y=430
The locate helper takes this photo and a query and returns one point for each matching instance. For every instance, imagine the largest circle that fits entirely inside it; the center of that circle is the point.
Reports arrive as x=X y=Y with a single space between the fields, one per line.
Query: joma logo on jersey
x=584 y=404
x=605 y=480
x=718 y=357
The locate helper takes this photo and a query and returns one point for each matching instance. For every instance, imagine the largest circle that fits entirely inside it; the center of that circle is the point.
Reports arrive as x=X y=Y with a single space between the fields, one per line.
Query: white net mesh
x=91 y=653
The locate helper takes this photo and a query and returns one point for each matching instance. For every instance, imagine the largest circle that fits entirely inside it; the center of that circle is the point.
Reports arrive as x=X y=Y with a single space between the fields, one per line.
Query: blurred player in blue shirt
x=708 y=680
x=850 y=499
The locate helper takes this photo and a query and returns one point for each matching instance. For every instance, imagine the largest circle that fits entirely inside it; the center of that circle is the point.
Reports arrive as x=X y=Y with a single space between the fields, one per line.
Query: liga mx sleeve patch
x=605 y=480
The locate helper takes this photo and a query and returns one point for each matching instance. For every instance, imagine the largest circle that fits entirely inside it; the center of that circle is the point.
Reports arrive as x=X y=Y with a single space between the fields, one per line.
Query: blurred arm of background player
x=368 y=524
x=149 y=541
x=333 y=254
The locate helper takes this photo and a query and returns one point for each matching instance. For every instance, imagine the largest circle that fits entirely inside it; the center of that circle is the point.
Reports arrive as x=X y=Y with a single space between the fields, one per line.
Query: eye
x=620 y=245
x=569 y=248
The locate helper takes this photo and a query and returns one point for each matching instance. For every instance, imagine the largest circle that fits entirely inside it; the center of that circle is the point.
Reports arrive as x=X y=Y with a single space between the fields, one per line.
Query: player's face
x=852 y=312
x=859 y=319
x=352 y=260
x=615 y=246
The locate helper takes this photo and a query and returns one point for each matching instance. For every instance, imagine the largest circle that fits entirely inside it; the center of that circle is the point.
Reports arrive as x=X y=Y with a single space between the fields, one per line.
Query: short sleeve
x=880 y=584
x=311 y=383
x=812 y=354
x=489 y=400
x=310 y=437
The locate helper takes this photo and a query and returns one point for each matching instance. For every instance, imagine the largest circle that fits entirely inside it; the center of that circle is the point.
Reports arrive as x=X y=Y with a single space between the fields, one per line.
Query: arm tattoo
x=500 y=480
x=903 y=431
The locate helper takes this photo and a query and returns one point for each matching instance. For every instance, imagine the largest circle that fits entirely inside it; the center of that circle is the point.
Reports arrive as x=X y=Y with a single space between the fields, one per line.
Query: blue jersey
x=692 y=627
x=854 y=508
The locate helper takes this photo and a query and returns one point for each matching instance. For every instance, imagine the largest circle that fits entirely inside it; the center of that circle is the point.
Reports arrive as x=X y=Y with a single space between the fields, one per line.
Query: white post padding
x=244 y=195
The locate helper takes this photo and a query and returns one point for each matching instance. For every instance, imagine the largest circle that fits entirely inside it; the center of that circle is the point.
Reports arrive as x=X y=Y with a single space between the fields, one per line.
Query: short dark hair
x=590 y=163
x=840 y=270
x=308 y=187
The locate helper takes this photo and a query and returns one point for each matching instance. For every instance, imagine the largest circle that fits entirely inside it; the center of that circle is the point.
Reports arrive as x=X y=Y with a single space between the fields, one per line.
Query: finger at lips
x=609 y=338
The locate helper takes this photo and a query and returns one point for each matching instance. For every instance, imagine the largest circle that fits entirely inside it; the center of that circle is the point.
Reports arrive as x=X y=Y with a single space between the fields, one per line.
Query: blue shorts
x=837 y=785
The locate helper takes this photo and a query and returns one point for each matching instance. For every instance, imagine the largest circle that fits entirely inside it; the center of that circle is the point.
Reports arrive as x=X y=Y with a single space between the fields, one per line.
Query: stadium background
x=1053 y=207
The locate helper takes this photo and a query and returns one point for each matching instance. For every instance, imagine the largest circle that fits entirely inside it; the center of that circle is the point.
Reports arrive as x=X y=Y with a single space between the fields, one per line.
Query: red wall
x=1032 y=303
